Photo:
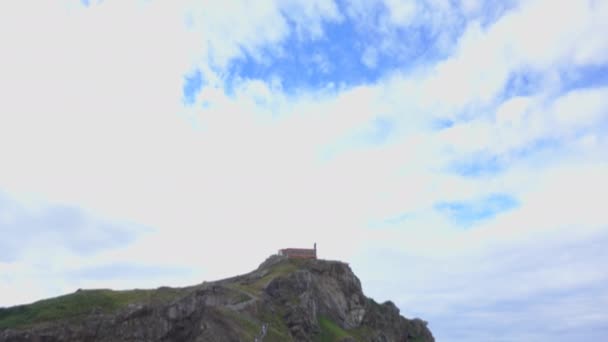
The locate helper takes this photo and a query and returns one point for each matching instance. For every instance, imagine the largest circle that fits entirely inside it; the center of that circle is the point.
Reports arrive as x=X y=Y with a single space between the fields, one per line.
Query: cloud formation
x=26 y=228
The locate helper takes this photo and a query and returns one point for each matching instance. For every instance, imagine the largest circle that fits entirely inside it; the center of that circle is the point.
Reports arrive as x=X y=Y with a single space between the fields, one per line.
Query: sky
x=453 y=152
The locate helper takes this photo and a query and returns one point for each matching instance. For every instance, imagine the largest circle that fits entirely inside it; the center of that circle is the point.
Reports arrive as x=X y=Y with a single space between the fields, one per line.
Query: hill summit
x=282 y=300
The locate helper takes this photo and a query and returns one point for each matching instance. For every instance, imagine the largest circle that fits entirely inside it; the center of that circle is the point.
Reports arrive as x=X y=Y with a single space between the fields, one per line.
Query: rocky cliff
x=283 y=300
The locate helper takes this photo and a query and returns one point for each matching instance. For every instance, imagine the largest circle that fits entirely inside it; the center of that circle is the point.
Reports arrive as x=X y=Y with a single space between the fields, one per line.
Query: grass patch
x=249 y=328
x=330 y=331
x=361 y=333
x=79 y=304
x=255 y=288
x=277 y=330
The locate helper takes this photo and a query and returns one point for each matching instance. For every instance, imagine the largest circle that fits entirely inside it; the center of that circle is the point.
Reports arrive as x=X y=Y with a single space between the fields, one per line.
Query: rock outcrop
x=283 y=300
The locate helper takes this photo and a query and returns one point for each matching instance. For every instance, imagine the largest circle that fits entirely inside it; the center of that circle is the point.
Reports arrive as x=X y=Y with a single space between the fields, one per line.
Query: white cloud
x=485 y=57
x=522 y=121
x=470 y=6
x=370 y=57
x=512 y=111
x=581 y=108
x=401 y=13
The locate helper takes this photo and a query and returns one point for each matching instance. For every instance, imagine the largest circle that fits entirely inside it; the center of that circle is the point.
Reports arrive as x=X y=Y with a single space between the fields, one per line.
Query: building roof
x=297 y=250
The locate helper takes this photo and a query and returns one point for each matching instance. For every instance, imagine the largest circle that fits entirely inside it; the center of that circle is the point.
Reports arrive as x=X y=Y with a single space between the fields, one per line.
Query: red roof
x=299 y=252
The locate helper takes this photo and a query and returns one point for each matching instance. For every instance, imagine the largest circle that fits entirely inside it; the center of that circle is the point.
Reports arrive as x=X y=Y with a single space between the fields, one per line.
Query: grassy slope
x=277 y=330
x=84 y=302
x=255 y=288
x=330 y=331
x=79 y=304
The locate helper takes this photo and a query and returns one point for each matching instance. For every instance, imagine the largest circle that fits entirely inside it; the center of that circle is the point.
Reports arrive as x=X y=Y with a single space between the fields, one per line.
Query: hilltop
x=282 y=300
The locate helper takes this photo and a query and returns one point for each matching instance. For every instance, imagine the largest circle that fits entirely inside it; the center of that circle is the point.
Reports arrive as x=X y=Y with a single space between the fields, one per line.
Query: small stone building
x=299 y=253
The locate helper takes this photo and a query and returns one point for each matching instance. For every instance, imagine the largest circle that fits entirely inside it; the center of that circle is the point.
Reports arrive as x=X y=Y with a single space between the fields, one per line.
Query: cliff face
x=283 y=300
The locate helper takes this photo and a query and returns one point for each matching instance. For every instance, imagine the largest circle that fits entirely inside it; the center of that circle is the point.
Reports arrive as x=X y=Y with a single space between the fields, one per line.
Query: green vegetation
x=330 y=331
x=277 y=330
x=248 y=327
x=362 y=333
x=255 y=288
x=277 y=271
x=84 y=302
x=81 y=303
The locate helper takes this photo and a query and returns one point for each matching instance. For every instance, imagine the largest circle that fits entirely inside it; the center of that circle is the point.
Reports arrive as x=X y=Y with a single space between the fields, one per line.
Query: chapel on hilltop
x=299 y=253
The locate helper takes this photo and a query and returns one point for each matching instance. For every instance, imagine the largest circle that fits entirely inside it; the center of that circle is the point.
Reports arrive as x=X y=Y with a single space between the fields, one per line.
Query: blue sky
x=453 y=152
